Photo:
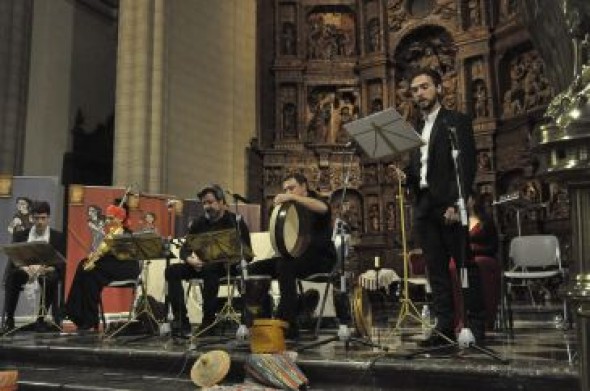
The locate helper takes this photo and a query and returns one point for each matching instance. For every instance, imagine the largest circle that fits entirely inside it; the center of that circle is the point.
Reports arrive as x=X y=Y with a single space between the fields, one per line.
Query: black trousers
x=210 y=274
x=287 y=271
x=440 y=242
x=84 y=297
x=16 y=278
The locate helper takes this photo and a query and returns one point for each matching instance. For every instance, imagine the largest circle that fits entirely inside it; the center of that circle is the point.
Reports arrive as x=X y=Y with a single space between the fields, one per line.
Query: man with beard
x=431 y=177
x=216 y=218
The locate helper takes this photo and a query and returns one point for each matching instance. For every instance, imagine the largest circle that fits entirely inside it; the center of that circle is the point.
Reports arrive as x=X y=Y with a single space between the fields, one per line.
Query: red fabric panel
x=80 y=237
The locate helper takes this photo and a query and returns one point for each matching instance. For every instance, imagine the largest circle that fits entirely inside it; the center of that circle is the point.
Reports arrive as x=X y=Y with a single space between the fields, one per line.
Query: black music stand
x=134 y=247
x=34 y=253
x=220 y=246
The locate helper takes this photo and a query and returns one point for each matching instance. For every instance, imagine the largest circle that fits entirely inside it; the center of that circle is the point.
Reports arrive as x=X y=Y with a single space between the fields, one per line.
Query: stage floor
x=541 y=357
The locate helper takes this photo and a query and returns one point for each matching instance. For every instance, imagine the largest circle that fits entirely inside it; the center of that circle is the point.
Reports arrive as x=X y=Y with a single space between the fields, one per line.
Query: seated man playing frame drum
x=216 y=218
x=318 y=255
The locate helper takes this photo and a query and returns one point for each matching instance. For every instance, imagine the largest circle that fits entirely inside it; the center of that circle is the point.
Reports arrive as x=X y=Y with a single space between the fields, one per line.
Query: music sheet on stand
x=385 y=133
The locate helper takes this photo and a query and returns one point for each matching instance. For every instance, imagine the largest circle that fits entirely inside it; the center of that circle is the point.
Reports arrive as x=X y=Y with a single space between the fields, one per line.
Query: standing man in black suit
x=48 y=276
x=432 y=179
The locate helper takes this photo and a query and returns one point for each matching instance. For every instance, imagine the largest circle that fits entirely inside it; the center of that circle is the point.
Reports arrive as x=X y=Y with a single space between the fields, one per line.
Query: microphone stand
x=166 y=328
x=465 y=339
x=344 y=328
x=242 y=333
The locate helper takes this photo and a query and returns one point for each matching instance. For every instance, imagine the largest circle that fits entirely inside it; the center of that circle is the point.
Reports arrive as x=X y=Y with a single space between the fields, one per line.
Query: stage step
x=54 y=364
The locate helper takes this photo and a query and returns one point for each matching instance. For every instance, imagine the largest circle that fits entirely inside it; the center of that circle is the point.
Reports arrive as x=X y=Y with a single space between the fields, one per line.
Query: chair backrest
x=262 y=246
x=535 y=251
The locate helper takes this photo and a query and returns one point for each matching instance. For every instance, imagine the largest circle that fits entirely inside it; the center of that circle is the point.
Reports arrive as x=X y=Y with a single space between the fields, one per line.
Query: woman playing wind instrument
x=96 y=271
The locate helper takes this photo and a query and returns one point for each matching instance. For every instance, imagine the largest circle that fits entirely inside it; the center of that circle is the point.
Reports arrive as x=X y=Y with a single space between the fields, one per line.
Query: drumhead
x=289 y=229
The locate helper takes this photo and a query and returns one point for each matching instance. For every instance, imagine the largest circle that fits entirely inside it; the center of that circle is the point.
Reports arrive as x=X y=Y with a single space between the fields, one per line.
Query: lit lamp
x=76 y=194
x=5 y=185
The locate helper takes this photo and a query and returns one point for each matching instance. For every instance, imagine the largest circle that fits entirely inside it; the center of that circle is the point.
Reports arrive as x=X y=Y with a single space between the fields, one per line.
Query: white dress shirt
x=426 y=131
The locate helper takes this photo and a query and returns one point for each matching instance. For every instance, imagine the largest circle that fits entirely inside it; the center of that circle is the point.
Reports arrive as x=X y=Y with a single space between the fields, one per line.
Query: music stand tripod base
x=128 y=248
x=227 y=312
x=41 y=314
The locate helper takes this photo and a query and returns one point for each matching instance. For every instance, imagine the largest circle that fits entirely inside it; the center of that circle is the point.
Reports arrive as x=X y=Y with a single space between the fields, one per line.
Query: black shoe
x=292 y=333
x=437 y=340
x=8 y=326
x=86 y=329
x=308 y=301
x=43 y=327
x=181 y=328
x=479 y=335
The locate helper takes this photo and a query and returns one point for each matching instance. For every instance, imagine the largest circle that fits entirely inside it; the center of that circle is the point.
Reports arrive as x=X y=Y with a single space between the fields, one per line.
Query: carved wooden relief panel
x=288 y=30
x=328 y=109
x=337 y=61
x=330 y=33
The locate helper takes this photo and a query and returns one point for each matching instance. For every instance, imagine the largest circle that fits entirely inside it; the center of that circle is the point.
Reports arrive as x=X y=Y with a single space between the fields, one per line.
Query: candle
x=377 y=263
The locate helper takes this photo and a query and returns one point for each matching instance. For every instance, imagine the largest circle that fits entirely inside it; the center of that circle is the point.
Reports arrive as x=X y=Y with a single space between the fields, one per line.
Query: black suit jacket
x=442 y=183
x=56 y=239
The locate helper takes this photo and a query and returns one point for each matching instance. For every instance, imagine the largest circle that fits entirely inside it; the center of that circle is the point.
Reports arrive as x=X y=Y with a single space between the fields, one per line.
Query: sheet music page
x=384 y=133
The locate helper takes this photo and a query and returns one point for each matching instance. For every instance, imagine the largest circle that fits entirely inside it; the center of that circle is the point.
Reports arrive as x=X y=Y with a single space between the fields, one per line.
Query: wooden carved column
x=139 y=102
x=15 y=30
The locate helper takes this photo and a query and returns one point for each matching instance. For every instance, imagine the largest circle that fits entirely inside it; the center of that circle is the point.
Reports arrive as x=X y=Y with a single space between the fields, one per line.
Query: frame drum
x=289 y=229
x=362 y=314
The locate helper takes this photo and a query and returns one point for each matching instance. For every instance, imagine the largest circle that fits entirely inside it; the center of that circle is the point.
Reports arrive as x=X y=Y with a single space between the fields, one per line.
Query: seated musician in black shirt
x=99 y=269
x=48 y=276
x=216 y=218
x=319 y=257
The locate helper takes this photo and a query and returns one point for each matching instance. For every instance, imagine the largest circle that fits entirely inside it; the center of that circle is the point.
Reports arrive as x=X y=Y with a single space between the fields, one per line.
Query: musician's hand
x=451 y=215
x=398 y=172
x=45 y=269
x=27 y=269
x=281 y=198
x=194 y=261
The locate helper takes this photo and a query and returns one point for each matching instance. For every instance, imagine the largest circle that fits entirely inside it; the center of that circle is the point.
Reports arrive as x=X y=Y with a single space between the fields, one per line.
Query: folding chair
x=534 y=258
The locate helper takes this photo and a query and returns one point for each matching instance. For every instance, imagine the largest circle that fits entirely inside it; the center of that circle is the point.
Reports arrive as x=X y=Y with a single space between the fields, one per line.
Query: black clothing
x=442 y=184
x=209 y=273
x=441 y=241
x=16 y=278
x=319 y=257
x=84 y=297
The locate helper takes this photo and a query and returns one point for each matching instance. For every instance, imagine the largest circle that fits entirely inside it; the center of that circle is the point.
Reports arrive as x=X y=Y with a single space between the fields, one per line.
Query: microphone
x=351 y=144
x=238 y=197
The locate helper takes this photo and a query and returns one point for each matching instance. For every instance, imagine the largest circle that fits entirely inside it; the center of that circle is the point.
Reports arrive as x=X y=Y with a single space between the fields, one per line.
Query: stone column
x=139 y=112
x=15 y=39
